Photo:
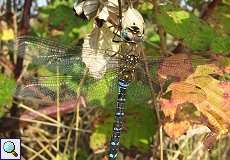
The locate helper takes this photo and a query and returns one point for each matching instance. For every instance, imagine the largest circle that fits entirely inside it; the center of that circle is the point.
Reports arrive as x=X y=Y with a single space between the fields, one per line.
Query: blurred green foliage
x=7 y=88
x=195 y=33
x=104 y=93
x=58 y=20
x=185 y=26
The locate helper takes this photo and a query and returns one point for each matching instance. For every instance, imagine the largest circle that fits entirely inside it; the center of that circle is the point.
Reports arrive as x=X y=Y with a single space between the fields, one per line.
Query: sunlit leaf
x=180 y=67
x=6 y=33
x=196 y=34
x=97 y=140
x=176 y=129
x=210 y=96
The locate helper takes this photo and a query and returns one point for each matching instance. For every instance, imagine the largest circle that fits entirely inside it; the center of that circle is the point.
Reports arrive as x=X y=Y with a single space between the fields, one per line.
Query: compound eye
x=127 y=38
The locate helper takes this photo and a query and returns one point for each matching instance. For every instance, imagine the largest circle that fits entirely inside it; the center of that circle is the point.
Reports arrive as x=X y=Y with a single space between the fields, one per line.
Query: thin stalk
x=46 y=150
x=76 y=134
x=78 y=116
x=155 y=105
x=58 y=110
x=162 y=33
x=38 y=113
x=68 y=140
x=46 y=140
x=161 y=143
x=38 y=154
x=33 y=151
x=51 y=124
x=15 y=28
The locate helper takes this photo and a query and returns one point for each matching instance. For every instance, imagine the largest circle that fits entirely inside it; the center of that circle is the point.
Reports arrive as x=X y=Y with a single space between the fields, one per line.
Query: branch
x=162 y=34
x=24 y=26
x=51 y=110
x=6 y=64
x=210 y=9
x=23 y=30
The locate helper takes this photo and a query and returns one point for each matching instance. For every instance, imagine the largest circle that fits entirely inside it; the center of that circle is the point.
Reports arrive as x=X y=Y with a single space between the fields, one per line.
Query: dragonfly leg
x=116 y=35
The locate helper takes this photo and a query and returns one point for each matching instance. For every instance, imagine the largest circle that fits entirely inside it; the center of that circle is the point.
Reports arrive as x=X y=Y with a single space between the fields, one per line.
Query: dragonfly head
x=132 y=26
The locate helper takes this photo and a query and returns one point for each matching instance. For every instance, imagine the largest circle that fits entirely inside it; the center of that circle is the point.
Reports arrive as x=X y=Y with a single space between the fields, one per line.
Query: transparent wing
x=64 y=59
x=179 y=65
x=47 y=90
x=54 y=55
x=67 y=65
x=58 y=70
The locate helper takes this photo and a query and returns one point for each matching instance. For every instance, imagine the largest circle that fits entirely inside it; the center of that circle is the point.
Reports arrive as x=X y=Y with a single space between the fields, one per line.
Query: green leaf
x=221 y=45
x=7 y=88
x=139 y=120
x=97 y=140
x=185 y=26
x=103 y=91
x=60 y=22
x=137 y=94
x=139 y=126
x=220 y=19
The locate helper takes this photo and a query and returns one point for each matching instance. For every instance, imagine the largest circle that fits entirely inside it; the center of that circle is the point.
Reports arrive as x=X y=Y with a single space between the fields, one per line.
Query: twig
x=33 y=151
x=58 y=110
x=163 y=50
x=198 y=148
x=6 y=64
x=210 y=9
x=78 y=114
x=161 y=143
x=153 y=94
x=23 y=30
x=52 y=124
x=44 y=149
x=162 y=34
x=175 y=157
x=154 y=103
x=51 y=110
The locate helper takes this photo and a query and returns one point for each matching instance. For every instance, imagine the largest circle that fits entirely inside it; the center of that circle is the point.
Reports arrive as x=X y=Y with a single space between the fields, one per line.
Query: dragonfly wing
x=97 y=41
x=179 y=66
x=61 y=72
x=45 y=89
x=65 y=60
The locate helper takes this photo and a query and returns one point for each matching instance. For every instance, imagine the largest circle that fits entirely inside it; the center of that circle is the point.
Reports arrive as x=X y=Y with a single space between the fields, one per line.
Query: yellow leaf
x=210 y=96
x=176 y=129
x=7 y=34
x=182 y=92
x=178 y=67
x=96 y=141
x=178 y=16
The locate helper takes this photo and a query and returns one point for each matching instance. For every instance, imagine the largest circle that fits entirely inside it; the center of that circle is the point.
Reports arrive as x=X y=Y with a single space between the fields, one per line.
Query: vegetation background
x=197 y=27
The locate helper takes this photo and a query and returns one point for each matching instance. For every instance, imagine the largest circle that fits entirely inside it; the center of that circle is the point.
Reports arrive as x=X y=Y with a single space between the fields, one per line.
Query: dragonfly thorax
x=128 y=66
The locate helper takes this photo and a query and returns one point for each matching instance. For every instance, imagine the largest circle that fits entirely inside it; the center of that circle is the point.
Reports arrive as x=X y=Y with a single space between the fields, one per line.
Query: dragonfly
x=66 y=65
x=74 y=63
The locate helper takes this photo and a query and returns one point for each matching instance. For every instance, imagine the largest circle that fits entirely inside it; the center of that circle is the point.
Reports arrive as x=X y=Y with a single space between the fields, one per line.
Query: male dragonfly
x=63 y=74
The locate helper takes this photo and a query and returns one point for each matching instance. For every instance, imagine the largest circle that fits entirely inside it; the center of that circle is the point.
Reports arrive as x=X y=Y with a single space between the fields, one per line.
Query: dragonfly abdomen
x=117 y=126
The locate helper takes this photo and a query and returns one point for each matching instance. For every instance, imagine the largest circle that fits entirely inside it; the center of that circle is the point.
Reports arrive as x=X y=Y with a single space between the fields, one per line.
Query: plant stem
x=58 y=109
